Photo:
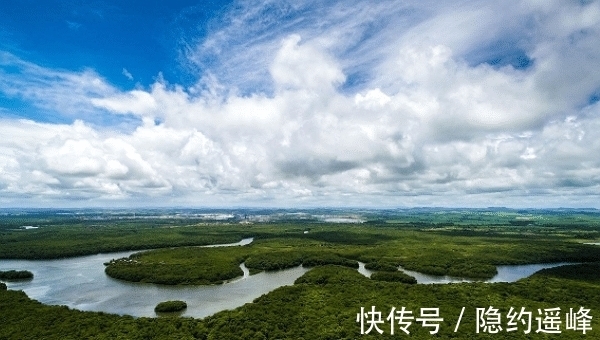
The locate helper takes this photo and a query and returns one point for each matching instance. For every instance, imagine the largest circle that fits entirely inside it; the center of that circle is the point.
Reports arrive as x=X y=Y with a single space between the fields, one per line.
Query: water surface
x=505 y=274
x=82 y=284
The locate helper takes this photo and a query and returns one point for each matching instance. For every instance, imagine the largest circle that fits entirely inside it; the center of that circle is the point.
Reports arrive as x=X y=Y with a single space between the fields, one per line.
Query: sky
x=276 y=103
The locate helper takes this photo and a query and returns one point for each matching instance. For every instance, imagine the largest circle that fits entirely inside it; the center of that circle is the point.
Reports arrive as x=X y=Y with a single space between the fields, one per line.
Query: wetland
x=295 y=279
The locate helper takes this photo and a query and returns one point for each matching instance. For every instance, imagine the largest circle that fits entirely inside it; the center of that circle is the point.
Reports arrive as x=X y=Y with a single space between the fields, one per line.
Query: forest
x=382 y=248
x=332 y=300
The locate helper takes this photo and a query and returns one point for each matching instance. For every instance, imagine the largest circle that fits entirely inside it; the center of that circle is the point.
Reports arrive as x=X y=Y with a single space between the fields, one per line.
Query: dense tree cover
x=194 y=265
x=10 y=275
x=189 y=265
x=465 y=251
x=324 y=258
x=431 y=243
x=456 y=219
x=381 y=265
x=22 y=318
x=324 y=303
x=426 y=250
x=57 y=241
x=341 y=236
x=273 y=260
x=442 y=253
x=170 y=306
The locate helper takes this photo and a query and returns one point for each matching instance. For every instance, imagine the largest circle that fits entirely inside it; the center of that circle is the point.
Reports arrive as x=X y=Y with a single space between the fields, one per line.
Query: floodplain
x=325 y=302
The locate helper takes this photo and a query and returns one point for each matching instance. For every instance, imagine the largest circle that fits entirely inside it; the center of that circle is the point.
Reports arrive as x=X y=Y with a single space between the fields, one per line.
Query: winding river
x=505 y=273
x=81 y=283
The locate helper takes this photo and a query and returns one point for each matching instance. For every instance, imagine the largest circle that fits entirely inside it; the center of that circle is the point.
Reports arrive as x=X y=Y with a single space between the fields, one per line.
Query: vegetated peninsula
x=451 y=244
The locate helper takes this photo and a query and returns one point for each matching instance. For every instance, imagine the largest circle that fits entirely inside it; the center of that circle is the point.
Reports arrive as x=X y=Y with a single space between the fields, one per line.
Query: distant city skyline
x=260 y=103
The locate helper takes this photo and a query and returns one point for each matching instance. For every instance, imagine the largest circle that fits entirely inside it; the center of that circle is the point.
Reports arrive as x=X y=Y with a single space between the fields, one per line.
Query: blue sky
x=105 y=35
x=128 y=43
x=303 y=103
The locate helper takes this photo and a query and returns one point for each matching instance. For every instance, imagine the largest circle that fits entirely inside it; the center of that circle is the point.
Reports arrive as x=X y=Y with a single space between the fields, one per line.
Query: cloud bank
x=299 y=103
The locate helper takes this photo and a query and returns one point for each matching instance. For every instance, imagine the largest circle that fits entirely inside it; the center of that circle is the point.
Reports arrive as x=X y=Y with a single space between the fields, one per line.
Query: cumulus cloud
x=309 y=103
x=289 y=69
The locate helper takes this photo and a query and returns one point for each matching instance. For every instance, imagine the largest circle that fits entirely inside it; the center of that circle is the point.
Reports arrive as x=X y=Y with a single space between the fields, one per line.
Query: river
x=81 y=283
x=505 y=273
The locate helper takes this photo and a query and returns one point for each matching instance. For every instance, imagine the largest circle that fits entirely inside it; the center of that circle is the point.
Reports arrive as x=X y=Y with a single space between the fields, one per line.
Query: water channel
x=81 y=283
x=505 y=273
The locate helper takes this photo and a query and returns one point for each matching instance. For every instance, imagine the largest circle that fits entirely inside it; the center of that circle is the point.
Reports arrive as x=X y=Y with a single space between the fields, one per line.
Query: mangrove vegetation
x=331 y=300
x=14 y=275
x=170 y=306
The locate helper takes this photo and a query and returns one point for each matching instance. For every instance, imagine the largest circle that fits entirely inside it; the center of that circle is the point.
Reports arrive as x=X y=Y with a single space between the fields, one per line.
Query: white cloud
x=127 y=74
x=303 y=67
x=63 y=92
x=135 y=102
x=428 y=123
x=372 y=100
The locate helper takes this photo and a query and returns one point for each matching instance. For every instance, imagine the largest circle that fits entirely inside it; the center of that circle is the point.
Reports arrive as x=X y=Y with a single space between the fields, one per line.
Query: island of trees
x=170 y=306
x=14 y=275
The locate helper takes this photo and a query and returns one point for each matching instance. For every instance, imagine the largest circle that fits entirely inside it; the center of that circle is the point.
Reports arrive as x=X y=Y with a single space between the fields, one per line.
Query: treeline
x=52 y=242
x=11 y=275
x=79 y=238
